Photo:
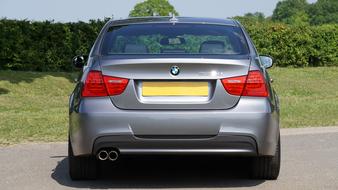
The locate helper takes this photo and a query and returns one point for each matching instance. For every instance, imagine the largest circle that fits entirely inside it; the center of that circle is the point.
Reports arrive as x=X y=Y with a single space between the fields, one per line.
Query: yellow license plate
x=175 y=89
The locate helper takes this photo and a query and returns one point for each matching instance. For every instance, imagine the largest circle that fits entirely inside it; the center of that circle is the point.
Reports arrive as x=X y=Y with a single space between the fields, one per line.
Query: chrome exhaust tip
x=113 y=155
x=102 y=155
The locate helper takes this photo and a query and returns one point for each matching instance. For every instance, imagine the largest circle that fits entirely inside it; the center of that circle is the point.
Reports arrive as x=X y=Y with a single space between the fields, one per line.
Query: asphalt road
x=309 y=161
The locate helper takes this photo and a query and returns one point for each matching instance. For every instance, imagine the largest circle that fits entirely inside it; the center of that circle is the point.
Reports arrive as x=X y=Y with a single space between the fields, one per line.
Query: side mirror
x=266 y=61
x=79 y=61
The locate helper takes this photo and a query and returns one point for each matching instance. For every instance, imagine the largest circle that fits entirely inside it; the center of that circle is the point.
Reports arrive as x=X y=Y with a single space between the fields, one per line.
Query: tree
x=291 y=12
x=323 y=12
x=252 y=18
x=258 y=15
x=153 y=7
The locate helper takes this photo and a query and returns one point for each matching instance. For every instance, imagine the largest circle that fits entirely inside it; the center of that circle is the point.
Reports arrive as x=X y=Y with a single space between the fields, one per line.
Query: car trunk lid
x=153 y=85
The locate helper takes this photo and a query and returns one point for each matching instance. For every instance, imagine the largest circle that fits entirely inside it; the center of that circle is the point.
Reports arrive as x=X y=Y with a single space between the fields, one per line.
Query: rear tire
x=81 y=168
x=267 y=167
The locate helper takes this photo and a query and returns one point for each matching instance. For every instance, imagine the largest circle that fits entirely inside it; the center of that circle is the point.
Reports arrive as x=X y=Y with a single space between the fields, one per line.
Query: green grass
x=34 y=106
x=308 y=96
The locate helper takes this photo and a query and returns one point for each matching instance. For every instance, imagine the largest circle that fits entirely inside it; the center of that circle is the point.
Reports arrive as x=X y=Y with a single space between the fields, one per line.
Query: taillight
x=94 y=85
x=234 y=85
x=251 y=85
x=97 y=85
x=115 y=86
x=255 y=85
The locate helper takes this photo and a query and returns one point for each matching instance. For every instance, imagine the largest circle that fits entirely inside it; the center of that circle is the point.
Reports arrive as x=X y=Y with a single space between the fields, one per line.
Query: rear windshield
x=179 y=38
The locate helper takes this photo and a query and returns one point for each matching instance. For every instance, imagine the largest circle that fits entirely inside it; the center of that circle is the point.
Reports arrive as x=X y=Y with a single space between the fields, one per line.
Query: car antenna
x=173 y=18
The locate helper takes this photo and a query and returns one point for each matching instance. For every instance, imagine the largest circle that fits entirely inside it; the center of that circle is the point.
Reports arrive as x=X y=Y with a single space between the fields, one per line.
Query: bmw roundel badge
x=175 y=70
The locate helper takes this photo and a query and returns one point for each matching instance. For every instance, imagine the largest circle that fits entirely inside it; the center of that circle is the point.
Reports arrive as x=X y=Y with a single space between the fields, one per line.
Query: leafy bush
x=295 y=45
x=49 y=46
x=44 y=46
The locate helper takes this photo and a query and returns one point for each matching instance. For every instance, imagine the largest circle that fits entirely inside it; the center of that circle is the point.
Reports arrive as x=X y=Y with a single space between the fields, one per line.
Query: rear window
x=179 y=38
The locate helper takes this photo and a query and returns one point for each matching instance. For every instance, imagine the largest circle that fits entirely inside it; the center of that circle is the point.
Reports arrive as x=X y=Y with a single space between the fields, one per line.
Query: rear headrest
x=212 y=47
x=135 y=48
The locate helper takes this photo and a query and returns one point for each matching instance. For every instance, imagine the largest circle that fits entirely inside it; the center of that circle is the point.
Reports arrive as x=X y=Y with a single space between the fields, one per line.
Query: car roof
x=167 y=19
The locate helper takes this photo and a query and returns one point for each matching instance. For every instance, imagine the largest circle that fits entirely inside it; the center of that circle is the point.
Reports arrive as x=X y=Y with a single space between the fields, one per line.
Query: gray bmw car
x=173 y=85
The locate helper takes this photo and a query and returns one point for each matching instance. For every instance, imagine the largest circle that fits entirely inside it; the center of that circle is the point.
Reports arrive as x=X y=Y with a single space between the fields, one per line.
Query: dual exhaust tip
x=108 y=155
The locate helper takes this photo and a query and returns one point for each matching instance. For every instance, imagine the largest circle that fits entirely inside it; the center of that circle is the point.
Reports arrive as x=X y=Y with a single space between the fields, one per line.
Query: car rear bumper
x=227 y=145
x=251 y=128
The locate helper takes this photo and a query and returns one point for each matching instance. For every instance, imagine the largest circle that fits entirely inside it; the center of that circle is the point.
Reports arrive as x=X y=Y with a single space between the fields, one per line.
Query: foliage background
x=298 y=34
x=153 y=8
x=44 y=46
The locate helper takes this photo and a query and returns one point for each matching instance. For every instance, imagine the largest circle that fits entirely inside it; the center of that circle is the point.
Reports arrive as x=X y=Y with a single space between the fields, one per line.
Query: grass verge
x=34 y=106
x=308 y=96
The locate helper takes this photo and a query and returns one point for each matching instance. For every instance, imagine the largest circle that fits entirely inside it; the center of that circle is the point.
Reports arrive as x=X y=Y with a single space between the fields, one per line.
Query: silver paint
x=129 y=116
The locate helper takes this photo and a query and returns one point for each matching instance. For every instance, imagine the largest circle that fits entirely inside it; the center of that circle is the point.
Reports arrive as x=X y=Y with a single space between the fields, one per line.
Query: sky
x=83 y=10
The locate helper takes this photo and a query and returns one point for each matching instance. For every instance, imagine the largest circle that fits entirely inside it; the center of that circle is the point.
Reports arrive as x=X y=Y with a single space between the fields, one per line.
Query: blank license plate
x=175 y=89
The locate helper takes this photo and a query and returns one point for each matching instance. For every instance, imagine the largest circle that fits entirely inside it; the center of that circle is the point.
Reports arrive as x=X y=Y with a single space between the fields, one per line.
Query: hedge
x=296 y=46
x=44 y=46
x=49 y=46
